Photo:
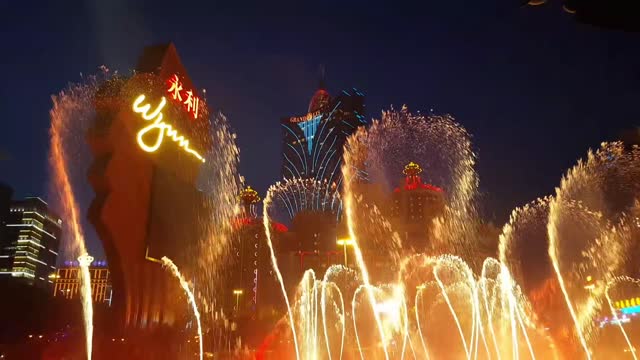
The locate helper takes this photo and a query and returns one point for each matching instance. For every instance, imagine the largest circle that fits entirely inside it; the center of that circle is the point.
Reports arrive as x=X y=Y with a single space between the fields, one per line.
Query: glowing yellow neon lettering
x=161 y=127
x=176 y=87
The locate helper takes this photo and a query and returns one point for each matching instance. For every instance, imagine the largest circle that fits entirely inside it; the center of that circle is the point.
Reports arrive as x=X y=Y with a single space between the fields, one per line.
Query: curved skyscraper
x=312 y=143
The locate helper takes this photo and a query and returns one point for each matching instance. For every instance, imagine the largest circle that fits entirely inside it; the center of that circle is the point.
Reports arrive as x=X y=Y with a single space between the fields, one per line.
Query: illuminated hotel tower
x=312 y=143
x=30 y=246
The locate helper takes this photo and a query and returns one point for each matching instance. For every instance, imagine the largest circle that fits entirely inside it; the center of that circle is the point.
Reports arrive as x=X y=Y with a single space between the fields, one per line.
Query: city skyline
x=335 y=180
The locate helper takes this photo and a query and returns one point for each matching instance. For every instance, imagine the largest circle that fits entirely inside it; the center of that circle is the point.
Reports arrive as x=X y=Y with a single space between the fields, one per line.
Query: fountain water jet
x=274 y=262
x=167 y=263
x=605 y=186
x=72 y=110
x=614 y=313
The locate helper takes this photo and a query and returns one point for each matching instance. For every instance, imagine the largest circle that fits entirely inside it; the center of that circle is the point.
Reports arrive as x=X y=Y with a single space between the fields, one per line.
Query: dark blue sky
x=535 y=88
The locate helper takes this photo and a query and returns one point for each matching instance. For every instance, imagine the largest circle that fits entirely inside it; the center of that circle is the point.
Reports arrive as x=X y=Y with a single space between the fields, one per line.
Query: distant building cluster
x=315 y=236
x=66 y=282
x=30 y=237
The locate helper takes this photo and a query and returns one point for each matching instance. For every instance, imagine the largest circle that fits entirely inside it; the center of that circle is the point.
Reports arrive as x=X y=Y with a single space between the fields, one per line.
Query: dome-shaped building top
x=320 y=99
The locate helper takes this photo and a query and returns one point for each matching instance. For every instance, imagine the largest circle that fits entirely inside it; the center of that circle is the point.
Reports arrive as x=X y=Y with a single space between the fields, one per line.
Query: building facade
x=414 y=206
x=145 y=182
x=5 y=203
x=312 y=151
x=312 y=143
x=254 y=286
x=310 y=244
x=66 y=283
x=31 y=240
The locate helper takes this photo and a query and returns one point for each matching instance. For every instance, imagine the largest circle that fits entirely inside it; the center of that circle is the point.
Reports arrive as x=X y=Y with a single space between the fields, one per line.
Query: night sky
x=535 y=88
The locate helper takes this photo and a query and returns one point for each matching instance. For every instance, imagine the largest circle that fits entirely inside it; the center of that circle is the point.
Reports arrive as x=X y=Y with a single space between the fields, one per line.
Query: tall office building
x=312 y=143
x=5 y=202
x=30 y=246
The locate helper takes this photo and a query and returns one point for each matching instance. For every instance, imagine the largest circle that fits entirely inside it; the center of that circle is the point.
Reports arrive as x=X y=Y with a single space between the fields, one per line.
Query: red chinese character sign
x=186 y=98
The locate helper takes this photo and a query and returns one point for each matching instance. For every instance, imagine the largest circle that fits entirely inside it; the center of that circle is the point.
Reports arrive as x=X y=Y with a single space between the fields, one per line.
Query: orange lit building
x=414 y=206
x=149 y=141
x=310 y=244
x=66 y=282
x=405 y=212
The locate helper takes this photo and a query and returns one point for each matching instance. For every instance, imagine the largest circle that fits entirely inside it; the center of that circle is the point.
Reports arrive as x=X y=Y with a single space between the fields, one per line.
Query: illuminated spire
x=321 y=83
x=412 y=169
x=248 y=196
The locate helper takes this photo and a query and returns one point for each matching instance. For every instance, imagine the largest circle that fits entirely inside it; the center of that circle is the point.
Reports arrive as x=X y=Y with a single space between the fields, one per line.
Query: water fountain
x=444 y=303
x=436 y=296
x=71 y=113
x=88 y=111
x=166 y=262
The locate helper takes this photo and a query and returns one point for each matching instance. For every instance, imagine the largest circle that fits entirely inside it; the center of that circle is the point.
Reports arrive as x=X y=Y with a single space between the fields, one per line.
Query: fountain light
x=344 y=243
x=237 y=293
x=167 y=263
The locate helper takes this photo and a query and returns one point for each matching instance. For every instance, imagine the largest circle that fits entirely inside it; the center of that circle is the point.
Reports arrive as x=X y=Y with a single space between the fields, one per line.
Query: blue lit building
x=313 y=142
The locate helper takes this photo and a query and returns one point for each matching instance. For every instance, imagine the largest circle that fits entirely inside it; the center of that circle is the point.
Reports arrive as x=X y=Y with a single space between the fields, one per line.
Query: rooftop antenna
x=321 y=85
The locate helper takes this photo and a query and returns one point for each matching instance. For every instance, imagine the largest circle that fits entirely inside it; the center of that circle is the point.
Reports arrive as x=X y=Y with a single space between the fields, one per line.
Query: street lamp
x=345 y=242
x=590 y=283
x=237 y=293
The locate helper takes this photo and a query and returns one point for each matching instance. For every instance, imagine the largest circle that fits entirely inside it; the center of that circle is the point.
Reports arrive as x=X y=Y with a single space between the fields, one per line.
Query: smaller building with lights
x=414 y=206
x=29 y=248
x=254 y=286
x=66 y=281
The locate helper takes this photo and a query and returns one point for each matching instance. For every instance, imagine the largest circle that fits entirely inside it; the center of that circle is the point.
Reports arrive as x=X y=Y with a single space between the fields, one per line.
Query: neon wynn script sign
x=160 y=127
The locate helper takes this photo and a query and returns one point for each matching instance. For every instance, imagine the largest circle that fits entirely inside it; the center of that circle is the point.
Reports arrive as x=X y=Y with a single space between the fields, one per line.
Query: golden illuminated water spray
x=614 y=313
x=585 y=191
x=87 y=304
x=274 y=262
x=348 y=208
x=167 y=263
x=70 y=106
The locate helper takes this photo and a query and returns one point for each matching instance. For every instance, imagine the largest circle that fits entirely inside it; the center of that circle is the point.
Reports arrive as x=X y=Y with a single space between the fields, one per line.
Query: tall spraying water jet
x=219 y=179
x=350 y=177
x=331 y=288
x=274 y=262
x=526 y=233
x=85 y=261
x=167 y=263
x=70 y=116
x=615 y=281
x=604 y=186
